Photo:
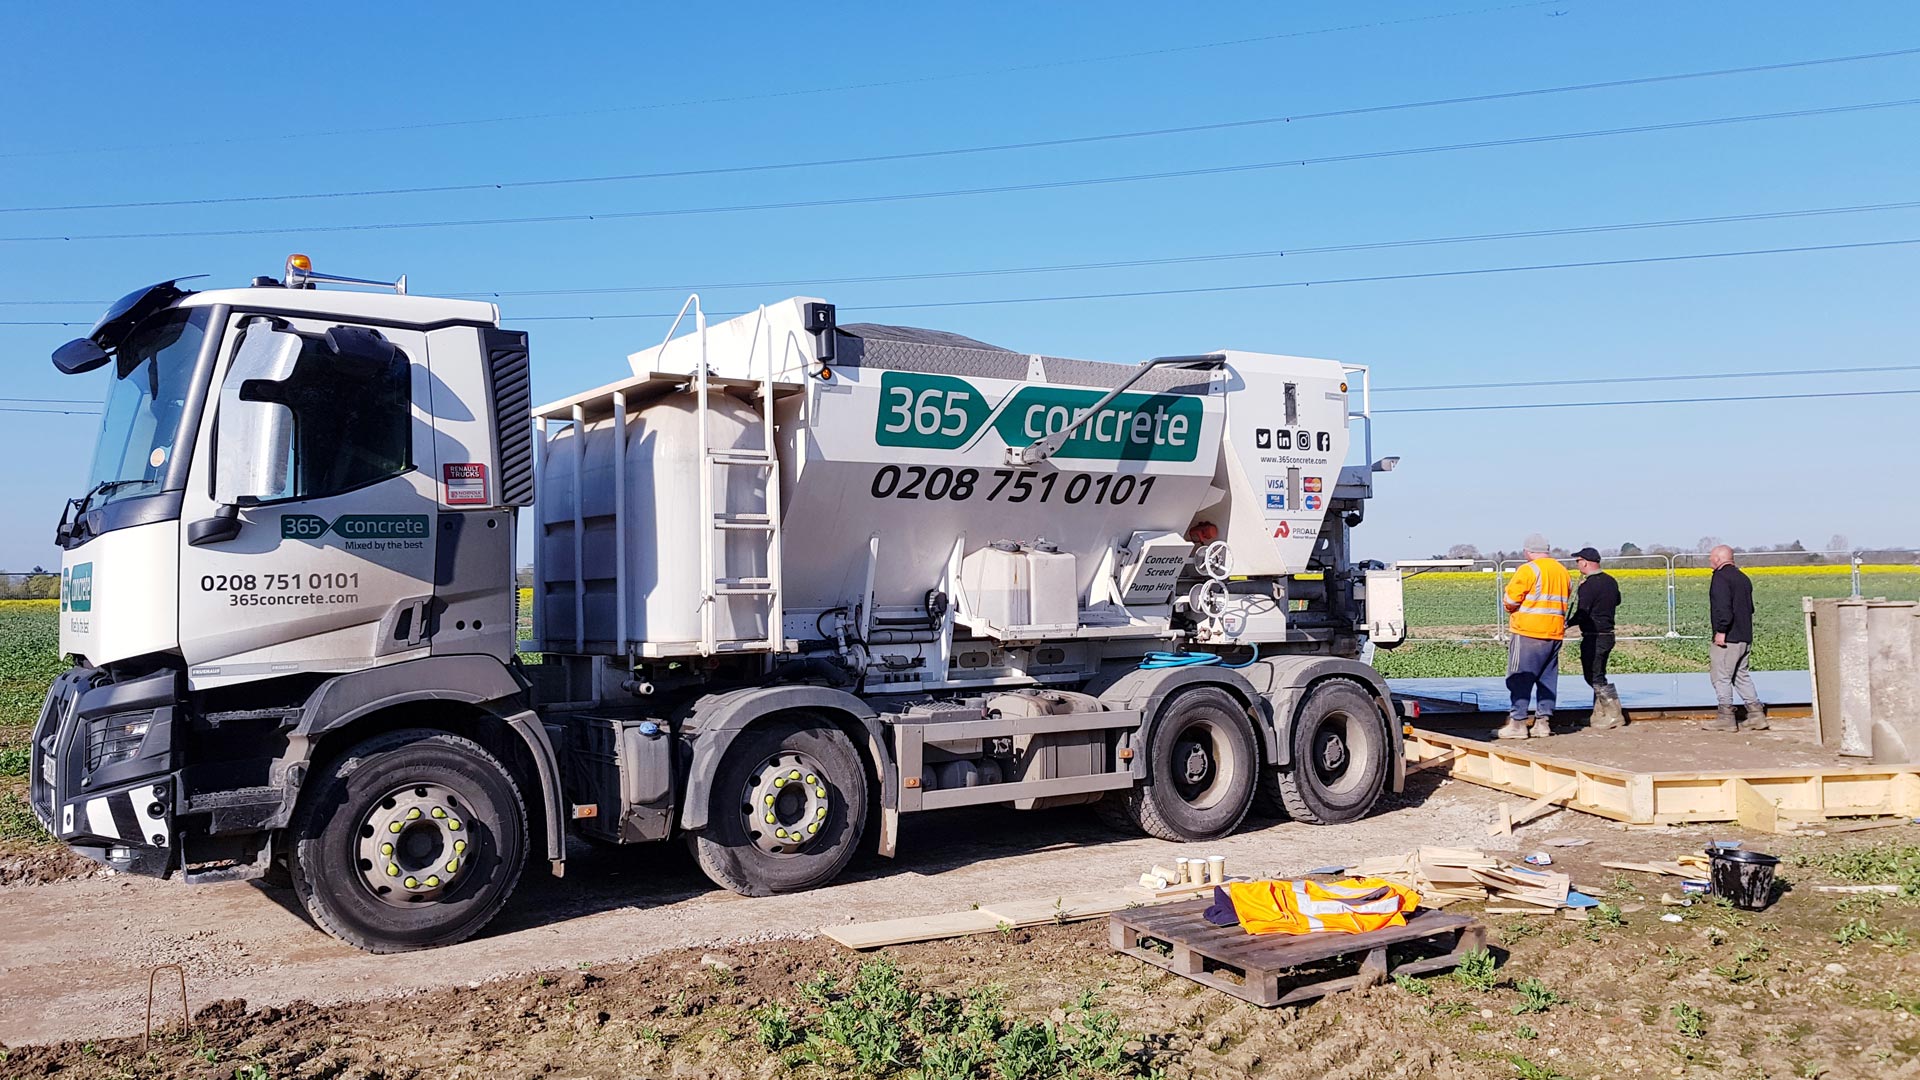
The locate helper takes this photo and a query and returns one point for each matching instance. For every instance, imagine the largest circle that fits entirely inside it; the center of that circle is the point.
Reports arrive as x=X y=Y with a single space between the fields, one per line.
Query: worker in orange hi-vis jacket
x=1537 y=598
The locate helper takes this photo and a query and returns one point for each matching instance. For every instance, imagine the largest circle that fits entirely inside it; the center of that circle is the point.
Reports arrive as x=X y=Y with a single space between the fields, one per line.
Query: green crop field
x=1447 y=612
x=29 y=659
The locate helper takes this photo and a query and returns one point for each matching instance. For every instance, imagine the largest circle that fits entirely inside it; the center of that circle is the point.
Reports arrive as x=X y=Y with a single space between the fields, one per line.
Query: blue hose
x=1157 y=660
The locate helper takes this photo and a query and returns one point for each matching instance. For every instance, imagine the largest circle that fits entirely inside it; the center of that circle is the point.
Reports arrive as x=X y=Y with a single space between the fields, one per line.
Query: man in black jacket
x=1731 y=599
x=1595 y=603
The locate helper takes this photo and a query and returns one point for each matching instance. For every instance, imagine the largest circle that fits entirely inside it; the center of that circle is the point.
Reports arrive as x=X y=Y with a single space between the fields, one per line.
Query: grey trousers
x=1728 y=668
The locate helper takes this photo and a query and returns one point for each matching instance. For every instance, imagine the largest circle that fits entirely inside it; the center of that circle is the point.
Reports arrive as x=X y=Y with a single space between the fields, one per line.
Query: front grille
x=61 y=699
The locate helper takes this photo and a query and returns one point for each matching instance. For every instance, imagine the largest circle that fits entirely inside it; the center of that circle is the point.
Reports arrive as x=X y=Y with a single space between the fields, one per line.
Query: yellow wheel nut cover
x=812 y=779
x=433 y=883
x=459 y=846
x=395 y=827
x=453 y=866
x=454 y=824
x=413 y=814
x=386 y=849
x=769 y=800
x=392 y=870
x=437 y=812
x=820 y=791
x=413 y=883
x=769 y=819
x=794 y=775
x=813 y=828
x=781 y=833
x=820 y=813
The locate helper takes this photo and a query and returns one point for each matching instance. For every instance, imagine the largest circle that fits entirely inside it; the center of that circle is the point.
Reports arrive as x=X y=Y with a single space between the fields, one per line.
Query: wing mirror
x=79 y=356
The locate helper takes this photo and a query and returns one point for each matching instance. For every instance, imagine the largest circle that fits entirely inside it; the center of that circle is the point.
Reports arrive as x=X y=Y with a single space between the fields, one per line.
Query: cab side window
x=351 y=427
x=305 y=416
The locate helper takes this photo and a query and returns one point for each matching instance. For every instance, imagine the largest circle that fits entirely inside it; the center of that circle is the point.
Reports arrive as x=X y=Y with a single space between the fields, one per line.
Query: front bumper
x=101 y=778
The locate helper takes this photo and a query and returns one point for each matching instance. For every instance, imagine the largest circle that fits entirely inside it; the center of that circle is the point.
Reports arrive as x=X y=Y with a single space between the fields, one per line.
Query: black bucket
x=1744 y=878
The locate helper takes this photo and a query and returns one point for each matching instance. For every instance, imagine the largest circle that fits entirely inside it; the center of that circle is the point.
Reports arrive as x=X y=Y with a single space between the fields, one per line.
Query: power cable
x=963 y=192
x=1650 y=401
x=1081 y=140
x=1648 y=379
x=1431 y=274
x=966 y=73
x=1174 y=260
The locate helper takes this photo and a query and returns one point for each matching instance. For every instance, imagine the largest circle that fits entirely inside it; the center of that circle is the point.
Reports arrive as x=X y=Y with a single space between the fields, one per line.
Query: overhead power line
x=1172 y=260
x=1199 y=290
x=1080 y=140
x=962 y=192
x=1650 y=401
x=1648 y=379
x=964 y=73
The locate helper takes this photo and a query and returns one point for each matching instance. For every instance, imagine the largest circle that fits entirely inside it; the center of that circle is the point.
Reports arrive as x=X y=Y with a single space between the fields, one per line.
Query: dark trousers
x=1595 y=650
x=1533 y=665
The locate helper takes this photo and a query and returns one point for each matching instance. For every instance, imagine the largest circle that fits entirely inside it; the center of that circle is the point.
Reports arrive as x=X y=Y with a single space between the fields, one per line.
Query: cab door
x=308 y=522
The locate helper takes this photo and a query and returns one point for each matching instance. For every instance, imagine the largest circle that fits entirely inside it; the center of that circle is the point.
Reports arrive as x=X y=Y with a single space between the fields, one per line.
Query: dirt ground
x=1792 y=991
x=74 y=954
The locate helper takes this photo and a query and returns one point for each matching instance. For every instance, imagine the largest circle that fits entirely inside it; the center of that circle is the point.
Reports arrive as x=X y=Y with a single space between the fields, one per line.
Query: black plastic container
x=1744 y=878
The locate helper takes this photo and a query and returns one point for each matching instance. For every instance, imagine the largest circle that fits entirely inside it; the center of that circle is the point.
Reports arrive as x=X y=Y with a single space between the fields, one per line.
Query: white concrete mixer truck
x=792 y=580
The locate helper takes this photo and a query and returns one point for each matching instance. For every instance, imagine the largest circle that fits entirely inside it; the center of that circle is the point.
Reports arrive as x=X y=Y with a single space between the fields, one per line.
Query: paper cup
x=1216 y=869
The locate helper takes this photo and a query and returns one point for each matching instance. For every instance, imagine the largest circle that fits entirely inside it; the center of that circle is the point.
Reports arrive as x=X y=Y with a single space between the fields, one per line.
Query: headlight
x=113 y=739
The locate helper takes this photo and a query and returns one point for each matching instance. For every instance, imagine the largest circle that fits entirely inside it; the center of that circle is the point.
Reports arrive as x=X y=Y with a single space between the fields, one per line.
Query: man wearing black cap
x=1594 y=605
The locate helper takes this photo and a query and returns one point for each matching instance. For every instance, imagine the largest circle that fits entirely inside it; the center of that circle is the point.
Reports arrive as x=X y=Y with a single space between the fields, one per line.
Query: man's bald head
x=1720 y=556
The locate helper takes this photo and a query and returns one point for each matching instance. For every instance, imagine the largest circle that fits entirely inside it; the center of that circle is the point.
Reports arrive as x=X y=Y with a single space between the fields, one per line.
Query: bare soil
x=1722 y=993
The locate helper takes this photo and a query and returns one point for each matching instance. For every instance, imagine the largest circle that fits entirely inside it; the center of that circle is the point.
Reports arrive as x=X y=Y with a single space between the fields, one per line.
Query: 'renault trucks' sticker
x=466 y=484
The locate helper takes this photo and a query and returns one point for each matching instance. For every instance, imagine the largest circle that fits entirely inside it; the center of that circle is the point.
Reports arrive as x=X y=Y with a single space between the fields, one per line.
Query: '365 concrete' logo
x=354 y=526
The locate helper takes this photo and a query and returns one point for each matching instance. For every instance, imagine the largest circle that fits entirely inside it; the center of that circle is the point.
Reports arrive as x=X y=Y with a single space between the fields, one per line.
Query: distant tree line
x=40 y=584
x=1836 y=551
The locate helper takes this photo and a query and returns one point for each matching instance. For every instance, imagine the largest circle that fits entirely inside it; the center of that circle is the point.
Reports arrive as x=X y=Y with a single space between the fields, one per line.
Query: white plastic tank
x=665 y=578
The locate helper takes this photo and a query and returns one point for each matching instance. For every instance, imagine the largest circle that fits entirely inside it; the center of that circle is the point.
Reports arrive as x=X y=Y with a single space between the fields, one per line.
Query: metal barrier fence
x=1659 y=602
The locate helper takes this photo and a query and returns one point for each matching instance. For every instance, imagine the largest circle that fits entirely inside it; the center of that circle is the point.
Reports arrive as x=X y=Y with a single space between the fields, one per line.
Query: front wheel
x=1340 y=756
x=1201 y=759
x=411 y=840
x=788 y=808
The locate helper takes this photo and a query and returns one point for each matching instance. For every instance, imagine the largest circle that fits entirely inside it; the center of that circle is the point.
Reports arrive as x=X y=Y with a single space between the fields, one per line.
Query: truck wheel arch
x=1147 y=689
x=708 y=728
x=345 y=706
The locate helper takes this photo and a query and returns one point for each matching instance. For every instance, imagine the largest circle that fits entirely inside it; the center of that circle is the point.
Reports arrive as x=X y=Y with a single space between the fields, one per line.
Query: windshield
x=152 y=373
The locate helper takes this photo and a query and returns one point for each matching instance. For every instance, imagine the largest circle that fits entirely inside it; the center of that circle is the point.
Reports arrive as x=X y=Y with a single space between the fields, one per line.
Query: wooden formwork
x=1757 y=798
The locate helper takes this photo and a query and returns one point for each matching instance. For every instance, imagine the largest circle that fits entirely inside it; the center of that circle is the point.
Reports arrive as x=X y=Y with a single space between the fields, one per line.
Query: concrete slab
x=1680 y=691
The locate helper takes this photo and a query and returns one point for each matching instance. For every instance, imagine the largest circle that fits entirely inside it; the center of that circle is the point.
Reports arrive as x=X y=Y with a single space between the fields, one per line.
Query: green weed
x=1477 y=970
x=773 y=1027
x=1689 y=1020
x=1879 y=864
x=1524 y=1069
x=1606 y=915
x=1535 y=997
x=1524 y=1033
x=17 y=821
x=1857 y=930
x=1418 y=987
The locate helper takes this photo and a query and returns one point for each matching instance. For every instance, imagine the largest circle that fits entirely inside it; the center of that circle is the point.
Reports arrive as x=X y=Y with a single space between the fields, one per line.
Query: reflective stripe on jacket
x=1542 y=588
x=1350 y=906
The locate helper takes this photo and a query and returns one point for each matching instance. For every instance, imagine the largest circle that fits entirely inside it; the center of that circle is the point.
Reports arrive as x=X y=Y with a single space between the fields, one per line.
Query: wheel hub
x=414 y=844
x=1331 y=752
x=1196 y=762
x=787 y=802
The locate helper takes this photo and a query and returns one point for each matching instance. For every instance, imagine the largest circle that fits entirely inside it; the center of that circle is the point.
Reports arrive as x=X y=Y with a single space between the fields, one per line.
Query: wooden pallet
x=1255 y=965
x=1761 y=799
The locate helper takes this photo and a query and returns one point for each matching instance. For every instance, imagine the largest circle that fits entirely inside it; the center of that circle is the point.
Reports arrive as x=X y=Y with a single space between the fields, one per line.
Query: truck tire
x=1201 y=764
x=1340 y=756
x=410 y=840
x=789 y=807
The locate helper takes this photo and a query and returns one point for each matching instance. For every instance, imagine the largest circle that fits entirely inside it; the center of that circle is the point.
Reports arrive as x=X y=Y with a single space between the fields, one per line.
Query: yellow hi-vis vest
x=1349 y=906
x=1544 y=591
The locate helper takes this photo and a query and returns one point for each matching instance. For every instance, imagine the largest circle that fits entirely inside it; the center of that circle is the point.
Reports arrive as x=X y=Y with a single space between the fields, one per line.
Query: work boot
x=1756 y=719
x=1723 y=721
x=1606 y=708
x=1542 y=727
x=1514 y=728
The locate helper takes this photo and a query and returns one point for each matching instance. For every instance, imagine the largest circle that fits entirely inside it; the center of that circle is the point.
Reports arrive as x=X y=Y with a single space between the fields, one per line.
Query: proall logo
x=354 y=526
x=941 y=412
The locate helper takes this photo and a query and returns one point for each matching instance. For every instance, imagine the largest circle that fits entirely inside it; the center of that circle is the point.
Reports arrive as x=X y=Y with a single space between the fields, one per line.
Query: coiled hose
x=1157 y=660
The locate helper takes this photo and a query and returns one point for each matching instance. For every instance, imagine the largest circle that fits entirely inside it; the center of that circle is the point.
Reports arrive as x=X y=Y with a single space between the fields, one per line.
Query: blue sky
x=114 y=104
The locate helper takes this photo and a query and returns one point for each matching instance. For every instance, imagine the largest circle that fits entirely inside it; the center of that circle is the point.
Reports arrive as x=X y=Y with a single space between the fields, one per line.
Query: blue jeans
x=1533 y=665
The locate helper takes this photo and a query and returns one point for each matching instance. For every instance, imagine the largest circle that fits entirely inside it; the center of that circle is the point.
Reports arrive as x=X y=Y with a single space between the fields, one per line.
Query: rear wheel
x=1201 y=760
x=788 y=809
x=411 y=840
x=1340 y=756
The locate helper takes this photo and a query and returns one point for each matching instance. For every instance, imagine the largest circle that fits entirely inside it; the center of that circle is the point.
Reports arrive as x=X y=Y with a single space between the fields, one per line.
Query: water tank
x=665 y=580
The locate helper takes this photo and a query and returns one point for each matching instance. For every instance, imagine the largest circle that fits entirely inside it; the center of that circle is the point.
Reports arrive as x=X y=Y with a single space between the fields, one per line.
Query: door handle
x=410 y=628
